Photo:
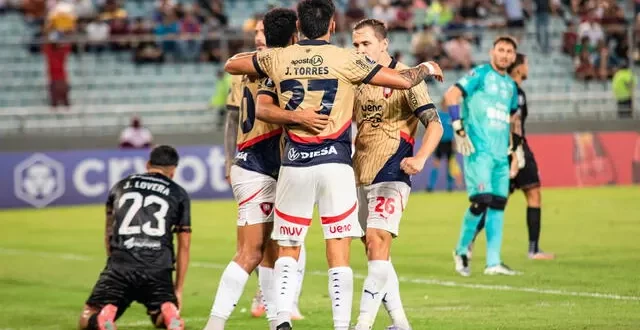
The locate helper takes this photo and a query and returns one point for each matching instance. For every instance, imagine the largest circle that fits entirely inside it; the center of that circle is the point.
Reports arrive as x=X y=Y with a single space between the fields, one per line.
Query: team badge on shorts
x=481 y=187
x=266 y=208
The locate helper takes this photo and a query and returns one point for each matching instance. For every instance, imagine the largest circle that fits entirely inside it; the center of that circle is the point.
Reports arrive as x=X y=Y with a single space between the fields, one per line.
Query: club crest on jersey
x=387 y=92
x=266 y=208
x=369 y=59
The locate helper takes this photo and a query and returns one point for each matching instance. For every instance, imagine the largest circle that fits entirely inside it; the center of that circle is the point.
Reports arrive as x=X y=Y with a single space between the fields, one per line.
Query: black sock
x=533 y=223
x=93 y=322
x=480 y=227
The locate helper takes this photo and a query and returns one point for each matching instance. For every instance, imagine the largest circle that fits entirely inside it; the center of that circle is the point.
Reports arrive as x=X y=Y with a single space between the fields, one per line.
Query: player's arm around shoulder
x=423 y=108
x=254 y=63
x=268 y=110
x=407 y=78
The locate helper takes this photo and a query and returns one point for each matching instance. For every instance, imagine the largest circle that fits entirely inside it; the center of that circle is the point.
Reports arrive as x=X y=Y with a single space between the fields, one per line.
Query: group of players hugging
x=288 y=140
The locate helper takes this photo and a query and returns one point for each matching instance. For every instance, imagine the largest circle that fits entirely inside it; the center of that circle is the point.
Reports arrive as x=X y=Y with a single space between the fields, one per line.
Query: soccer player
x=444 y=152
x=316 y=167
x=143 y=213
x=527 y=178
x=383 y=162
x=482 y=136
x=253 y=180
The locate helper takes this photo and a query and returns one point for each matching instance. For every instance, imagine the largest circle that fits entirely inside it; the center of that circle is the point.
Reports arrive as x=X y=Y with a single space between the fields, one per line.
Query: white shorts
x=255 y=194
x=331 y=186
x=382 y=205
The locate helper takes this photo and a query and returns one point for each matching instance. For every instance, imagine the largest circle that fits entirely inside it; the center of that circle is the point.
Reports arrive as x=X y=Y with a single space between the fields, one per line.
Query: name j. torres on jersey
x=312 y=73
x=258 y=141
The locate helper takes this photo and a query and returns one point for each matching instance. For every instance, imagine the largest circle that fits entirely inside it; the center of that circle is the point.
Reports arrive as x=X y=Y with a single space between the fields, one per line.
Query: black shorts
x=121 y=286
x=444 y=150
x=528 y=176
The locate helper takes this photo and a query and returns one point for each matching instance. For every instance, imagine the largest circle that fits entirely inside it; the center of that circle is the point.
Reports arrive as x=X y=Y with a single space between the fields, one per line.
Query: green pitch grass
x=50 y=259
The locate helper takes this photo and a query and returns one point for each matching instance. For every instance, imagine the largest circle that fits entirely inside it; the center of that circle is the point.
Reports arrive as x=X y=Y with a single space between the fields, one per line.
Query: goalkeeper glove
x=463 y=143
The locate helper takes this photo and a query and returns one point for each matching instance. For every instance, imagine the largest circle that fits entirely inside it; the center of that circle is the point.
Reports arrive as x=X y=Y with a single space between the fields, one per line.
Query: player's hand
x=519 y=153
x=434 y=70
x=462 y=142
x=513 y=170
x=412 y=165
x=312 y=120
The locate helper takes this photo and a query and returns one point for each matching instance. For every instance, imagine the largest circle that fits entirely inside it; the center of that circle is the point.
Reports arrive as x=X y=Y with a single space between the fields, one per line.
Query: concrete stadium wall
x=50 y=143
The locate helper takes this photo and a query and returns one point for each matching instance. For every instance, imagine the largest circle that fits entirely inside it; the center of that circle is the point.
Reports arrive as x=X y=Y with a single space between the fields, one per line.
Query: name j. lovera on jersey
x=147 y=210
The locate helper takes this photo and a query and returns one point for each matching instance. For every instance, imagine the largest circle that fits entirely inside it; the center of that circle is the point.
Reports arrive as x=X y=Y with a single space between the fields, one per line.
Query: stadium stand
x=106 y=88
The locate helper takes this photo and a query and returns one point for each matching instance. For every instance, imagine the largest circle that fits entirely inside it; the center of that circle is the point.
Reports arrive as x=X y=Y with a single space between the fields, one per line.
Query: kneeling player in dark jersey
x=527 y=178
x=143 y=212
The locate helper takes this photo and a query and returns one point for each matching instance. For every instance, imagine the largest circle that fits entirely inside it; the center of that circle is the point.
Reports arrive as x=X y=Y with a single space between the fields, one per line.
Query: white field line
x=425 y=281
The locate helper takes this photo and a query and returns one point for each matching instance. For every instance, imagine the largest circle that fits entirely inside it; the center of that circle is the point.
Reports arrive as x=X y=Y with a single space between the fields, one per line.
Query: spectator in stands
x=190 y=31
x=84 y=9
x=605 y=62
x=439 y=13
x=35 y=11
x=544 y=9
x=458 y=51
x=162 y=7
x=56 y=53
x=613 y=23
x=135 y=136
x=623 y=84
x=112 y=10
x=169 y=31
x=144 y=50
x=97 y=35
x=591 y=29
x=384 y=11
x=119 y=30
x=514 y=12
x=218 y=19
x=584 y=68
x=218 y=100
x=61 y=19
x=570 y=40
x=404 y=18
x=424 y=45
x=353 y=14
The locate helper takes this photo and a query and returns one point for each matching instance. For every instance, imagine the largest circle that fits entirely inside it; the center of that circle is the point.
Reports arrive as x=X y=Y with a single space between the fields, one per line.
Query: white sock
x=302 y=262
x=229 y=291
x=268 y=287
x=341 y=293
x=286 y=282
x=392 y=302
x=372 y=292
x=273 y=325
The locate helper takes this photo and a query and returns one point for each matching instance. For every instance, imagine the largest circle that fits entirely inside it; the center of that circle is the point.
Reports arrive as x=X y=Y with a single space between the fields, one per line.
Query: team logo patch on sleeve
x=387 y=92
x=269 y=83
x=369 y=59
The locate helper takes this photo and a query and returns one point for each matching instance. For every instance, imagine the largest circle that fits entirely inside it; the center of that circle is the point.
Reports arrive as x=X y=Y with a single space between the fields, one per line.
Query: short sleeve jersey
x=387 y=124
x=147 y=209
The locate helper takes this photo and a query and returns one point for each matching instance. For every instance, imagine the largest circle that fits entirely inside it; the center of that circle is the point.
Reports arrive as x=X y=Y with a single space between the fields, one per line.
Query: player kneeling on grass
x=387 y=122
x=143 y=212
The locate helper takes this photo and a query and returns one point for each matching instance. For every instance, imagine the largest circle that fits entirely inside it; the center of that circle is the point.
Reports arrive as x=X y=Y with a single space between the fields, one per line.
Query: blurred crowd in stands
x=443 y=30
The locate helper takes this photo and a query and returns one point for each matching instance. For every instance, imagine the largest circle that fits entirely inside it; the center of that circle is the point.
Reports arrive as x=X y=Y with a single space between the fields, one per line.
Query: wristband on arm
x=454 y=111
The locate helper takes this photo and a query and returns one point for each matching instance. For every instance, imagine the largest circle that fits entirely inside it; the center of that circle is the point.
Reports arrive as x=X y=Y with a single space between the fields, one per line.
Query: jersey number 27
x=139 y=201
x=328 y=86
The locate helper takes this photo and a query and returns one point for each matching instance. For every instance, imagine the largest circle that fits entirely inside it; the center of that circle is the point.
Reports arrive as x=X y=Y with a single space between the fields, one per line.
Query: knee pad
x=480 y=203
x=498 y=203
x=477 y=209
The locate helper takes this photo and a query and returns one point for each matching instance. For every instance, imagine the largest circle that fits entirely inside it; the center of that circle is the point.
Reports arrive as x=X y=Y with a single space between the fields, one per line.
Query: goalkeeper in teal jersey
x=482 y=136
